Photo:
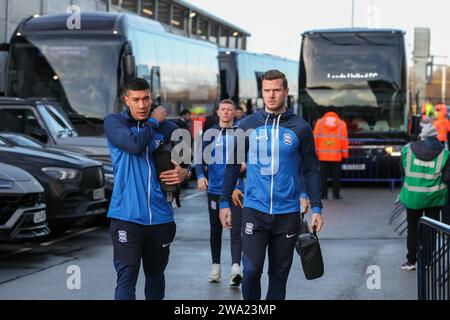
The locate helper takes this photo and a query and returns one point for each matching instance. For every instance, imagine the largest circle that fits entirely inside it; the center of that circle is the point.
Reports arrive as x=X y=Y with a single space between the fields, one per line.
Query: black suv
x=73 y=184
x=22 y=209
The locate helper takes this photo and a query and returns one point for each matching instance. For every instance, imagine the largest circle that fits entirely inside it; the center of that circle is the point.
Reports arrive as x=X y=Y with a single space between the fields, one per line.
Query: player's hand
x=202 y=184
x=237 y=197
x=159 y=114
x=174 y=176
x=225 y=218
x=317 y=222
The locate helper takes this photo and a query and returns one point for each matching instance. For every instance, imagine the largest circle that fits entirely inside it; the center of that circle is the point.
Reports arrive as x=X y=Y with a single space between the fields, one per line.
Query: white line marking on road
x=49 y=243
x=187 y=198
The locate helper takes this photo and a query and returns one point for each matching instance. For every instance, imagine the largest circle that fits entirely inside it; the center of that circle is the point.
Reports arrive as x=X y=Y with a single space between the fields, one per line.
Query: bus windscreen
x=362 y=75
x=82 y=72
x=361 y=61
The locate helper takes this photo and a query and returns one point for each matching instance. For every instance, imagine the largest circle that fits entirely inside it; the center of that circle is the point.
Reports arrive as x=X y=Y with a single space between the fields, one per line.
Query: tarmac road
x=356 y=242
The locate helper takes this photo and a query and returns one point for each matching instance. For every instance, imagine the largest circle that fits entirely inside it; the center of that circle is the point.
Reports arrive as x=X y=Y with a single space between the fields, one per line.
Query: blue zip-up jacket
x=217 y=142
x=281 y=158
x=137 y=196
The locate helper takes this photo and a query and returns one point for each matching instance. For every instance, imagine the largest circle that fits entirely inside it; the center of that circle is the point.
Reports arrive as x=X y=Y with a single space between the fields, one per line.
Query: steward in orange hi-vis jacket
x=442 y=124
x=331 y=138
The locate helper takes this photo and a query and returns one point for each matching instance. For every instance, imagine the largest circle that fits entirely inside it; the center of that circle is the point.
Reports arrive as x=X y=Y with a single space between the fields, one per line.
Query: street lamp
x=353 y=13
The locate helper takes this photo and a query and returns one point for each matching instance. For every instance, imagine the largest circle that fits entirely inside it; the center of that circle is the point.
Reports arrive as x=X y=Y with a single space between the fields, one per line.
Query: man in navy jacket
x=142 y=225
x=281 y=159
x=219 y=141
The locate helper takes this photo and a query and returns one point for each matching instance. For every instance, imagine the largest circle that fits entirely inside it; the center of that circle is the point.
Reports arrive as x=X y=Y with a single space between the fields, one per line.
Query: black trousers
x=413 y=217
x=236 y=234
x=132 y=243
x=275 y=234
x=216 y=230
x=336 y=172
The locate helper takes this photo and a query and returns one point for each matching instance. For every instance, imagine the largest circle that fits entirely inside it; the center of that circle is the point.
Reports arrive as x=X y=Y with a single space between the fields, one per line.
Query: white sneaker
x=214 y=276
x=408 y=266
x=236 y=275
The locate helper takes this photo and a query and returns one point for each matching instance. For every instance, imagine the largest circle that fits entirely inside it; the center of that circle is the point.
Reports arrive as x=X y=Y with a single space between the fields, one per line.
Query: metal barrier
x=433 y=268
x=399 y=211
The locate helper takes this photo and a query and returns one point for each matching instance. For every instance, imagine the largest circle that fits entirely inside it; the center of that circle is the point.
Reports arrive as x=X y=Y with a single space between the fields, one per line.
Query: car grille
x=10 y=203
x=93 y=178
x=71 y=201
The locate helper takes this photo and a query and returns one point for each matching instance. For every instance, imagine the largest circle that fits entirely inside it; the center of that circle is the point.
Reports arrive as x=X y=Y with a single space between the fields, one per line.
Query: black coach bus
x=362 y=75
x=240 y=76
x=85 y=68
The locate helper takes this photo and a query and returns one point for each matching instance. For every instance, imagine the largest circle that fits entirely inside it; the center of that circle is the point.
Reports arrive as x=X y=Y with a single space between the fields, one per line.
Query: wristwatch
x=189 y=173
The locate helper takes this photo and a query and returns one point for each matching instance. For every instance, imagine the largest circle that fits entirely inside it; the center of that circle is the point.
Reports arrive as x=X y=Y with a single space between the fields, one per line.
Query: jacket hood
x=127 y=115
x=331 y=120
x=428 y=149
x=262 y=114
x=272 y=119
x=284 y=116
x=441 y=115
x=441 y=111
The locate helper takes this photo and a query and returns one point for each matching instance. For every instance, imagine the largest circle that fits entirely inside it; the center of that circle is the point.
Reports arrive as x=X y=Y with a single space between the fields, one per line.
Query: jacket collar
x=285 y=115
x=127 y=115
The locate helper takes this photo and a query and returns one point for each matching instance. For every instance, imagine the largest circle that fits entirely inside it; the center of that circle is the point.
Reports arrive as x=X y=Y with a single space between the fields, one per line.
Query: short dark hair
x=137 y=84
x=274 y=75
x=228 y=101
x=184 y=112
x=239 y=108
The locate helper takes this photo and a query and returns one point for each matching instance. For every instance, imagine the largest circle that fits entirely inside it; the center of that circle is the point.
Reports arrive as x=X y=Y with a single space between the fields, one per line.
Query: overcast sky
x=276 y=25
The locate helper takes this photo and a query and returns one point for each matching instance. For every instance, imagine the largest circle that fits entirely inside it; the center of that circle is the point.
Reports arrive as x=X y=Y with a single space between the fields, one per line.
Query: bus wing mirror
x=129 y=67
x=156 y=84
x=4 y=47
x=415 y=126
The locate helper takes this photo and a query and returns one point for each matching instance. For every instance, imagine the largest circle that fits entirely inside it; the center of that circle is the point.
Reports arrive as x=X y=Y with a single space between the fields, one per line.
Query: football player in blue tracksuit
x=142 y=221
x=279 y=150
x=217 y=144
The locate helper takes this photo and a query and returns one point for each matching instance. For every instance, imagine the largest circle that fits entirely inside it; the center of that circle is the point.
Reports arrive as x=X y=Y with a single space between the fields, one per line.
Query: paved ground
x=356 y=236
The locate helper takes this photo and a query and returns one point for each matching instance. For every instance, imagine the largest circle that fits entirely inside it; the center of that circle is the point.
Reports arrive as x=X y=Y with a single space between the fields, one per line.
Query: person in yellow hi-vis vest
x=428 y=111
x=427 y=172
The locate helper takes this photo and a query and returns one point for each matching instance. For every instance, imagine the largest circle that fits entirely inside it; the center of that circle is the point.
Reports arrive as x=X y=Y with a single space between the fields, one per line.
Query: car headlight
x=6 y=184
x=62 y=173
x=395 y=151
x=109 y=178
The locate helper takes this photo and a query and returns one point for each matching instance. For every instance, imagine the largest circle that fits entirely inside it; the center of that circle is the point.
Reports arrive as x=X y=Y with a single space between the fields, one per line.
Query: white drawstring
x=218 y=139
x=226 y=146
x=265 y=127
x=275 y=126
x=278 y=127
